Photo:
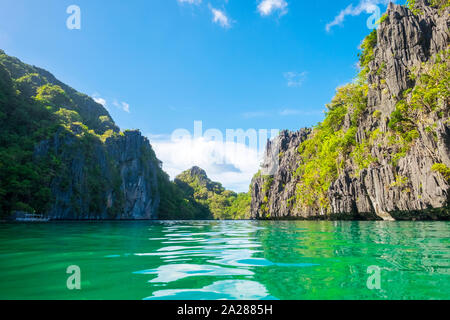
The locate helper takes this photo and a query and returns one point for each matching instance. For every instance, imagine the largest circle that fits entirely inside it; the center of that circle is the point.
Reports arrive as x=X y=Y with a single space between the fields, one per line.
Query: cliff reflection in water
x=226 y=260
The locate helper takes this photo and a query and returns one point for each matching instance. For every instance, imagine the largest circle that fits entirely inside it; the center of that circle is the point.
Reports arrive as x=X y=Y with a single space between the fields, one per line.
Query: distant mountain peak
x=199 y=175
x=197 y=171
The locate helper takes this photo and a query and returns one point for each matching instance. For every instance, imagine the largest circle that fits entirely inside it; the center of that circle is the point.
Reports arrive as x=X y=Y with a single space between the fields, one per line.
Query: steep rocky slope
x=62 y=155
x=382 y=151
x=115 y=179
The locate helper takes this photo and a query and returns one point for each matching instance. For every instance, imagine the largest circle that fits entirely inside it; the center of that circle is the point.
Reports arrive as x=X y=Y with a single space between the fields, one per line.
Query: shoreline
x=432 y=214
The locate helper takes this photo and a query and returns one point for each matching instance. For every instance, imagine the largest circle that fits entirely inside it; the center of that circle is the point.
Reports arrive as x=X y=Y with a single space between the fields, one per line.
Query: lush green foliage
x=367 y=52
x=194 y=196
x=442 y=169
x=176 y=203
x=333 y=142
x=383 y=18
x=439 y=4
x=239 y=207
x=429 y=96
x=34 y=108
x=411 y=4
x=24 y=185
x=325 y=152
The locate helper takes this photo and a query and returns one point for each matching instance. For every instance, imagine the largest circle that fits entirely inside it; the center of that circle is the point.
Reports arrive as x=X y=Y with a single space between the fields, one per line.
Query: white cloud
x=122 y=105
x=231 y=163
x=367 y=6
x=97 y=98
x=267 y=7
x=126 y=107
x=197 y=2
x=295 y=79
x=100 y=101
x=220 y=18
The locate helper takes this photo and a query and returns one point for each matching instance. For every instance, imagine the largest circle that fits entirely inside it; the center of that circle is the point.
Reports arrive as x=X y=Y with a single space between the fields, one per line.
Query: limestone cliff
x=116 y=179
x=62 y=155
x=383 y=150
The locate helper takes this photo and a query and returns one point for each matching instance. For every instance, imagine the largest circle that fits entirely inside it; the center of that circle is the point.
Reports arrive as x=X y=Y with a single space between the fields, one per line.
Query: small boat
x=31 y=217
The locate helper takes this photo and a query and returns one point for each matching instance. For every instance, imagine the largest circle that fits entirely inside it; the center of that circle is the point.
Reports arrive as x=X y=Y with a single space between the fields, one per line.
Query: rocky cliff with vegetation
x=62 y=155
x=195 y=196
x=382 y=151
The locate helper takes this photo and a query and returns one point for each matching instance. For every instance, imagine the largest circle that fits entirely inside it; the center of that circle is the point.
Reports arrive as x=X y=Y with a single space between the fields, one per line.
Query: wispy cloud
x=367 y=6
x=197 y=2
x=267 y=7
x=158 y=137
x=100 y=101
x=97 y=98
x=295 y=79
x=220 y=17
x=122 y=105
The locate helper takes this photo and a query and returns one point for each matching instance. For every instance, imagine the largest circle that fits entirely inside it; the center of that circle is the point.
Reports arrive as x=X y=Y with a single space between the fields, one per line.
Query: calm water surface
x=225 y=260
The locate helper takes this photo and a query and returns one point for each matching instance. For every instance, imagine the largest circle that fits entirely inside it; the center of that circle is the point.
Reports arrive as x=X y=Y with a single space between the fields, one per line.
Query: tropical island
x=381 y=153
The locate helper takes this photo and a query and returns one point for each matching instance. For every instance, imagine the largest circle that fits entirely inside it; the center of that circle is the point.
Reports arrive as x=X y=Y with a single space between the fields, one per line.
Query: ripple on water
x=174 y=272
x=222 y=260
x=219 y=290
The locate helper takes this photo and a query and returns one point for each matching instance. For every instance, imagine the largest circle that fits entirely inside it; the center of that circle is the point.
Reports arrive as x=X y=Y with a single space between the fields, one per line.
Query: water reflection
x=414 y=259
x=174 y=272
x=219 y=290
x=216 y=250
x=226 y=260
x=297 y=260
x=199 y=250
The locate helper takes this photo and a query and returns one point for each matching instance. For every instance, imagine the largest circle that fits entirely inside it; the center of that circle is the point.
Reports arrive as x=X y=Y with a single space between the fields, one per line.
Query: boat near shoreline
x=30 y=217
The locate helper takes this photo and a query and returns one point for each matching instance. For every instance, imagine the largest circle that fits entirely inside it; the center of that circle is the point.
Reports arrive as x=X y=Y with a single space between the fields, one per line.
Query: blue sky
x=160 y=65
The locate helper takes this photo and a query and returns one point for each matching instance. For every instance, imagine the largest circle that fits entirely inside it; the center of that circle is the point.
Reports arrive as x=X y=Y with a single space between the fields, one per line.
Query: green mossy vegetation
x=324 y=154
x=367 y=53
x=442 y=169
x=438 y=4
x=24 y=185
x=36 y=108
x=428 y=98
x=197 y=197
x=333 y=143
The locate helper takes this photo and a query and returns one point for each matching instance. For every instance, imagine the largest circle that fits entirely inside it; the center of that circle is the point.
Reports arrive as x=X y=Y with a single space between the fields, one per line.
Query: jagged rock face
x=78 y=165
x=112 y=180
x=283 y=151
x=138 y=168
x=404 y=41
